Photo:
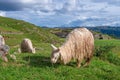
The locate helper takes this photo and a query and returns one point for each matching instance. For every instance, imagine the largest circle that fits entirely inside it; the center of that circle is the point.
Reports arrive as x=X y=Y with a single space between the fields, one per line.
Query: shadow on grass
x=39 y=61
x=74 y=64
x=43 y=61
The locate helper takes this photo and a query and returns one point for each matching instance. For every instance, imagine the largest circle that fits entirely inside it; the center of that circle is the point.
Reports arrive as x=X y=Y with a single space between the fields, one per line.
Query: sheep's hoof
x=86 y=65
x=78 y=66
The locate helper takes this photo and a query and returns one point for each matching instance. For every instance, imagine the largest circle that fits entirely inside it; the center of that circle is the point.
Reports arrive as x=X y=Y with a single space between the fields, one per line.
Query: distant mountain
x=63 y=32
x=113 y=31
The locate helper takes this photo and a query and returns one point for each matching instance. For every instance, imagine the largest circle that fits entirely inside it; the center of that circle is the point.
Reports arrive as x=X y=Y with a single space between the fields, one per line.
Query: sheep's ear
x=54 y=48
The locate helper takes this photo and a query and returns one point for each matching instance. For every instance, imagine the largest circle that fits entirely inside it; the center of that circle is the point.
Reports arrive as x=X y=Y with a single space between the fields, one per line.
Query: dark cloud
x=18 y=5
x=10 y=6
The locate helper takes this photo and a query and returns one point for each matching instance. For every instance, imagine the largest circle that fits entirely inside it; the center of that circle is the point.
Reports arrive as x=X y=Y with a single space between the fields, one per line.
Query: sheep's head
x=55 y=54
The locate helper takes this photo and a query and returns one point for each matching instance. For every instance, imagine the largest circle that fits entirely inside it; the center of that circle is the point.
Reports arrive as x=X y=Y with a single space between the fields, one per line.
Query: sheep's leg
x=78 y=63
x=5 y=58
x=87 y=62
x=88 y=59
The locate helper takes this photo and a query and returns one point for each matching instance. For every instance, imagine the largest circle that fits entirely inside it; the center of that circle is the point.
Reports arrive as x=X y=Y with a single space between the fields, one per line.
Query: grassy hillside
x=105 y=64
x=17 y=29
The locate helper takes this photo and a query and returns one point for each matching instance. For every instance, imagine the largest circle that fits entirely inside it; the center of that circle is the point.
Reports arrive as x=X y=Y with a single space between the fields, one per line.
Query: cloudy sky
x=53 y=13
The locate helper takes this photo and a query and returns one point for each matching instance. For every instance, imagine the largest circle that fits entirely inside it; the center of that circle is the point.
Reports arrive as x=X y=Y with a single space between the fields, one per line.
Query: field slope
x=105 y=64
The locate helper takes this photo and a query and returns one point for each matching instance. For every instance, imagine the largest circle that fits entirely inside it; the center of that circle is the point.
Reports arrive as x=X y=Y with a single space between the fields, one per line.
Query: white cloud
x=70 y=5
x=111 y=2
x=2 y=13
x=27 y=1
x=40 y=13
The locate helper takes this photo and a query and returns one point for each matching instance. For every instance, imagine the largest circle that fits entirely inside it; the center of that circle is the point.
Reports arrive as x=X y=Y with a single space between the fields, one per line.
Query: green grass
x=38 y=67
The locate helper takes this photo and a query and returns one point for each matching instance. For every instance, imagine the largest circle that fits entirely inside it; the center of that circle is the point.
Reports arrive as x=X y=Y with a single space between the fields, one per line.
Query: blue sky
x=54 y=13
